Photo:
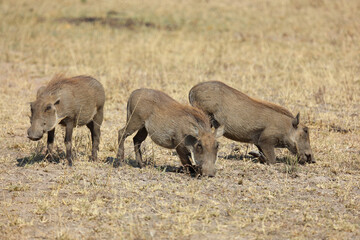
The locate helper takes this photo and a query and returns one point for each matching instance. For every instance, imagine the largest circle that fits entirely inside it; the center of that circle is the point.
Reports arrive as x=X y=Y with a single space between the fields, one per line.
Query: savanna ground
x=301 y=54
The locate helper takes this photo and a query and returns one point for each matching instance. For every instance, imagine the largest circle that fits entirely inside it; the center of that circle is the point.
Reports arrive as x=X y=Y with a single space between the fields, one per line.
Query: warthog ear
x=295 y=121
x=31 y=107
x=219 y=131
x=40 y=91
x=190 y=140
x=57 y=101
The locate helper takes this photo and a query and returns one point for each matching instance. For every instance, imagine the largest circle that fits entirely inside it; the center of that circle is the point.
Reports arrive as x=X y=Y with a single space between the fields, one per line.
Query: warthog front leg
x=68 y=137
x=184 y=158
x=268 y=154
x=50 y=144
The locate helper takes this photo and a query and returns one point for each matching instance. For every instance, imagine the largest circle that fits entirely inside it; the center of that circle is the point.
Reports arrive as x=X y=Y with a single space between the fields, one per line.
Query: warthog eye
x=48 y=107
x=306 y=130
x=217 y=145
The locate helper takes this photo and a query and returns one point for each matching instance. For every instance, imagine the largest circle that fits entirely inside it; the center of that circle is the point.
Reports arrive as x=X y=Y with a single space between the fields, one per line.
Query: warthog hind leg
x=94 y=127
x=138 y=139
x=68 y=136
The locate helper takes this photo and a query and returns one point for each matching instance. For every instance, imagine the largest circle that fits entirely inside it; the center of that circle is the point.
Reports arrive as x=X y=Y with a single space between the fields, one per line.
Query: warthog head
x=43 y=116
x=204 y=150
x=301 y=142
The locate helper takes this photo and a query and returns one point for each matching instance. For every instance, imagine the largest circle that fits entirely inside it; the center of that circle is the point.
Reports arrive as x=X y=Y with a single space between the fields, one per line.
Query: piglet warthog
x=170 y=125
x=253 y=121
x=71 y=102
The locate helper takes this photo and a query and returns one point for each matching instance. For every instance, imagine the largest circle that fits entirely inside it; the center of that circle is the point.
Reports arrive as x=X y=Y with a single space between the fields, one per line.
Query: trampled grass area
x=303 y=55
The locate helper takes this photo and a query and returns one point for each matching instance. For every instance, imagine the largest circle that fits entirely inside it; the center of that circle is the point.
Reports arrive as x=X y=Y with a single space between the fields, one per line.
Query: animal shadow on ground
x=254 y=157
x=194 y=172
x=112 y=161
x=39 y=157
x=239 y=157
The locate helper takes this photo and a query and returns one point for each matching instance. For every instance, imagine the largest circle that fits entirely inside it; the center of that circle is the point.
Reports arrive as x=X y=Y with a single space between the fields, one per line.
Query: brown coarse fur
x=195 y=113
x=250 y=120
x=170 y=125
x=59 y=81
x=272 y=106
x=71 y=102
x=160 y=100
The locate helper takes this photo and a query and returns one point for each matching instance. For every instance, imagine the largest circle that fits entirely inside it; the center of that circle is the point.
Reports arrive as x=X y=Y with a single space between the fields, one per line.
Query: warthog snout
x=310 y=158
x=34 y=135
x=306 y=158
x=208 y=170
x=302 y=142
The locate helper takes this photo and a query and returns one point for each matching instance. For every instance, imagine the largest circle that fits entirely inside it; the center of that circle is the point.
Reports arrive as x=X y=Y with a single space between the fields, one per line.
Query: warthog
x=170 y=125
x=71 y=102
x=252 y=121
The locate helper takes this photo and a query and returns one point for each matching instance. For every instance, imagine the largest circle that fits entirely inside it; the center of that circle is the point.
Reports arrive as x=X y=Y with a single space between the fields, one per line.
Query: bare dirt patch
x=117 y=23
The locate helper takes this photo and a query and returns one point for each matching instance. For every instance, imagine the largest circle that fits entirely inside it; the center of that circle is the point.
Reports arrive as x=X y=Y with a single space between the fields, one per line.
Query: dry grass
x=301 y=54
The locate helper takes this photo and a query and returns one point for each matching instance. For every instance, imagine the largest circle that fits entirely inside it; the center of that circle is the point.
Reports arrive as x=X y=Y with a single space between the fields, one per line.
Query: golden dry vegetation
x=301 y=54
